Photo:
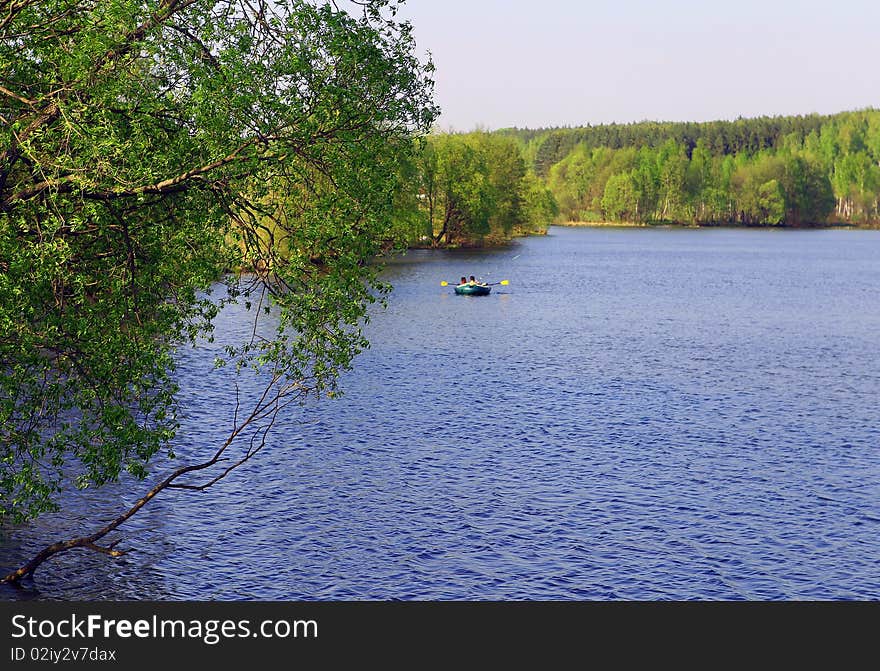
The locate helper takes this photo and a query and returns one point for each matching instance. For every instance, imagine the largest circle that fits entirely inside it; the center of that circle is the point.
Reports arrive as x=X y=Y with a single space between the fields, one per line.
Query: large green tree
x=149 y=148
x=465 y=193
x=470 y=188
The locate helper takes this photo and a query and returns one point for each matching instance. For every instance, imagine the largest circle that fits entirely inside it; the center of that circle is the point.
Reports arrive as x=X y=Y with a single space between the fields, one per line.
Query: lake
x=641 y=414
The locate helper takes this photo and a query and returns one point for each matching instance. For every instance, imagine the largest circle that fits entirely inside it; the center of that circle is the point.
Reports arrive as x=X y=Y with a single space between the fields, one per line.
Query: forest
x=481 y=187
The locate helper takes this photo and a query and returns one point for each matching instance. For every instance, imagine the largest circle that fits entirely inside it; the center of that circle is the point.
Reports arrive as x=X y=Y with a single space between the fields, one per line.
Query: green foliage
x=549 y=146
x=149 y=147
x=539 y=207
x=466 y=193
x=792 y=171
x=578 y=181
x=808 y=193
x=621 y=198
x=473 y=187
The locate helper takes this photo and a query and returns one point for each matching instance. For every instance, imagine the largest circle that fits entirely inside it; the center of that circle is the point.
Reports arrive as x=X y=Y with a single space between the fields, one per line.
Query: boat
x=473 y=289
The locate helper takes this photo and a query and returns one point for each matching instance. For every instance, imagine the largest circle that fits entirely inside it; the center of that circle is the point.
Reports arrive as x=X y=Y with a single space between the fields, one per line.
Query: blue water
x=640 y=414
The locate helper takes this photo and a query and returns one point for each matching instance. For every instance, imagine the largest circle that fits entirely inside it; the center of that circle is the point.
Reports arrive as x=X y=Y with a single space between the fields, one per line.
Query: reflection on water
x=640 y=414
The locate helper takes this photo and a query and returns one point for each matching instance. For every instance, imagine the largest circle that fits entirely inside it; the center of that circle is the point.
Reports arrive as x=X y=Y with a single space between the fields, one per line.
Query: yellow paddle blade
x=505 y=282
x=444 y=283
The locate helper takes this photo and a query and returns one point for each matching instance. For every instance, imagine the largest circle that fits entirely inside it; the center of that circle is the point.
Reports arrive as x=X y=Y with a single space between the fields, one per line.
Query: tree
x=808 y=192
x=769 y=203
x=872 y=137
x=148 y=148
x=855 y=180
x=699 y=181
x=539 y=206
x=415 y=199
x=506 y=171
x=621 y=199
x=758 y=194
x=672 y=168
x=647 y=183
x=465 y=194
x=569 y=181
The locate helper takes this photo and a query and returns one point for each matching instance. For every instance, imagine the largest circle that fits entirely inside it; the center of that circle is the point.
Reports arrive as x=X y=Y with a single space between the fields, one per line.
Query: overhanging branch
x=274 y=398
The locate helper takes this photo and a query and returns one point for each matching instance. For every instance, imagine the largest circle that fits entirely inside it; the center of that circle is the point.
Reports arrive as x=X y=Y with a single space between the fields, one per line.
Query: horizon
x=502 y=64
x=657 y=121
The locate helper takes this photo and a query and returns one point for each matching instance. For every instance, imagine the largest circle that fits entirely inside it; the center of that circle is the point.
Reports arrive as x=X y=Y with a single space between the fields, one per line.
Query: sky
x=542 y=63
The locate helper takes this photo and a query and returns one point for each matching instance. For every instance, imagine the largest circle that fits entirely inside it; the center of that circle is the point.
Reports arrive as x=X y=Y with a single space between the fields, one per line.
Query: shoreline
x=673 y=224
x=607 y=224
x=501 y=243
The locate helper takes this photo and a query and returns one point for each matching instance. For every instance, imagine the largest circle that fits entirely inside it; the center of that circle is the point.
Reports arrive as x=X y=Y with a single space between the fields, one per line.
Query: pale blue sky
x=562 y=62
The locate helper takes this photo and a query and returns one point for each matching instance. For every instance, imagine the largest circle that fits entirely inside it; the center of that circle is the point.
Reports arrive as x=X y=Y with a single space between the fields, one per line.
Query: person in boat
x=472 y=281
x=463 y=281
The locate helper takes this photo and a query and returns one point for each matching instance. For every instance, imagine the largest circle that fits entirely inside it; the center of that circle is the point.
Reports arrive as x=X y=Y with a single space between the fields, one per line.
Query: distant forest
x=549 y=146
x=796 y=170
x=813 y=170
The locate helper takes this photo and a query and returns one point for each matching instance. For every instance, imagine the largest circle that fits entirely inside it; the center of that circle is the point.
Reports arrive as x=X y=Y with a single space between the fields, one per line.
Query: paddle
x=444 y=283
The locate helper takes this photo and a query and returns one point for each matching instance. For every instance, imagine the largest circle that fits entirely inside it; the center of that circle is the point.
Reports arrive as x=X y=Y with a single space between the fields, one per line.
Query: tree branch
x=266 y=408
x=174 y=184
x=5 y=91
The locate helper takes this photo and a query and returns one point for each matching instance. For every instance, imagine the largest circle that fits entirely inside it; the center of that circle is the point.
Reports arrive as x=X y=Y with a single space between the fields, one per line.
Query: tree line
x=766 y=171
x=548 y=146
x=484 y=187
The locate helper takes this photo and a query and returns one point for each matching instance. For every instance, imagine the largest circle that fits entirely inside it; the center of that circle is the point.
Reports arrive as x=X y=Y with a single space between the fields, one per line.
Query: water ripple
x=691 y=416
